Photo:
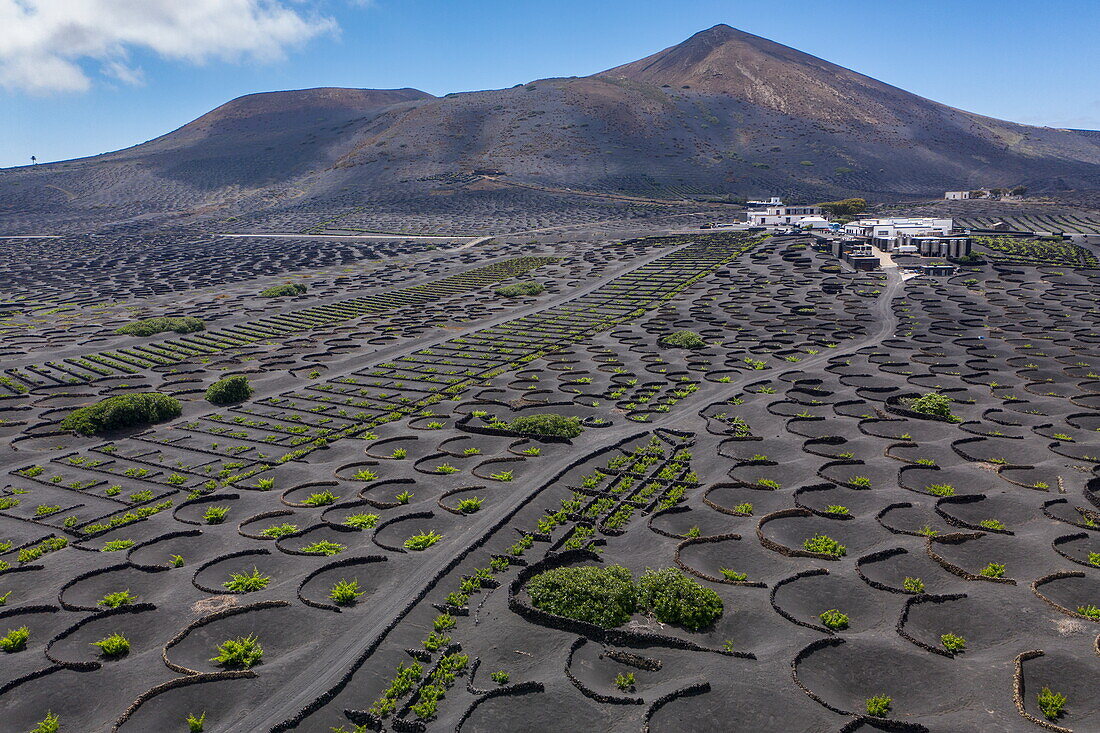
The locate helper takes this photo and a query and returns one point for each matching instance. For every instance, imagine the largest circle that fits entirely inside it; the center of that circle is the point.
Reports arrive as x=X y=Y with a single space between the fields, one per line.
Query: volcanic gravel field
x=375 y=415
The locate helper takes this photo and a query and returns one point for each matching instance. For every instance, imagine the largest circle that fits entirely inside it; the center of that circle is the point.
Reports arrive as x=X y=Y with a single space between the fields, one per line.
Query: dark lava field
x=839 y=501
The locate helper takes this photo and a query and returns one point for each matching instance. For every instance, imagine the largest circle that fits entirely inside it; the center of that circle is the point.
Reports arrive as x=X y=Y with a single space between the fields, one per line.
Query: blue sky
x=131 y=78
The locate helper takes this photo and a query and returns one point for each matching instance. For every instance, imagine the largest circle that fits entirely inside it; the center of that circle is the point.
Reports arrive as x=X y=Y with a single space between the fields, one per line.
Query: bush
x=215 y=514
x=117 y=599
x=675 y=598
x=150 y=326
x=469 y=506
x=545 y=424
x=826 y=545
x=229 y=390
x=115 y=645
x=345 y=592
x=422 y=541
x=993 y=570
x=247 y=582
x=195 y=725
x=932 y=403
x=605 y=596
x=15 y=640
x=1051 y=703
x=684 y=340
x=847 y=207
x=913 y=585
x=324 y=547
x=280 y=291
x=122 y=411
x=834 y=619
x=953 y=642
x=879 y=705
x=322 y=498
x=517 y=290
x=625 y=682
x=50 y=724
x=500 y=677
x=240 y=653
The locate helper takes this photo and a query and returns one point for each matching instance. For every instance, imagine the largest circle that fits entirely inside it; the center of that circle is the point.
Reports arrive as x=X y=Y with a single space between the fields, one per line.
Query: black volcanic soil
x=374 y=398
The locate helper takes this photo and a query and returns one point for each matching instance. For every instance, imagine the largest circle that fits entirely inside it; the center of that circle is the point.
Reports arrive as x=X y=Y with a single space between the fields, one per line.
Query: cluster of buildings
x=906 y=239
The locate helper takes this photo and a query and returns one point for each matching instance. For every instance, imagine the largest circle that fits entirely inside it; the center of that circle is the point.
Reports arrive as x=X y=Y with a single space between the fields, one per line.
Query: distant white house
x=889 y=229
x=813 y=222
x=956 y=195
x=773 y=201
x=782 y=215
x=926 y=236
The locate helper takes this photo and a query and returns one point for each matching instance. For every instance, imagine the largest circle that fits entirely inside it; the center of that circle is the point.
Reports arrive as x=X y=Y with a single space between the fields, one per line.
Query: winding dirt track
x=358 y=642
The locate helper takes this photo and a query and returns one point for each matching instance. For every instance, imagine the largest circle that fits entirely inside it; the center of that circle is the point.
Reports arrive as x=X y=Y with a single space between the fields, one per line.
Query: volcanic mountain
x=725 y=113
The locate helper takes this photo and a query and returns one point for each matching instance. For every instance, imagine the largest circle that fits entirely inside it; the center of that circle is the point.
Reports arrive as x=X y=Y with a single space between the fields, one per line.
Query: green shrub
x=625 y=682
x=953 y=642
x=500 y=677
x=215 y=514
x=826 y=545
x=321 y=498
x=122 y=411
x=545 y=424
x=992 y=524
x=993 y=570
x=195 y=725
x=469 y=506
x=676 y=599
x=1089 y=611
x=734 y=575
x=834 y=619
x=15 y=640
x=345 y=592
x=361 y=521
x=932 y=403
x=941 y=489
x=423 y=540
x=1052 y=704
x=324 y=547
x=605 y=596
x=247 y=582
x=517 y=290
x=116 y=545
x=150 y=326
x=117 y=599
x=683 y=340
x=846 y=207
x=280 y=291
x=241 y=653
x=913 y=585
x=115 y=645
x=50 y=724
x=276 y=531
x=229 y=391
x=879 y=705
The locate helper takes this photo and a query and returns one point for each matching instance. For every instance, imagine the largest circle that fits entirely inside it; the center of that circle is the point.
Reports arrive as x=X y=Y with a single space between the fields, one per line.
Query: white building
x=889 y=229
x=813 y=222
x=773 y=201
x=956 y=195
x=781 y=215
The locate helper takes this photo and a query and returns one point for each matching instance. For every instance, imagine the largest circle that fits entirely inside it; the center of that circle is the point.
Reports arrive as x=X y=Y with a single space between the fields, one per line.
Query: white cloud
x=53 y=45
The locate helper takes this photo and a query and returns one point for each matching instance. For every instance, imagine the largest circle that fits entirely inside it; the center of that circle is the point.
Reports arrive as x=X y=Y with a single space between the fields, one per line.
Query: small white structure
x=889 y=229
x=781 y=215
x=773 y=201
x=813 y=222
x=956 y=195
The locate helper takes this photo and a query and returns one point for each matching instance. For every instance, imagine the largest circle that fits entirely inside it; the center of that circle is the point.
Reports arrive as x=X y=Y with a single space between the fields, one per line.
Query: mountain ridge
x=723 y=113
